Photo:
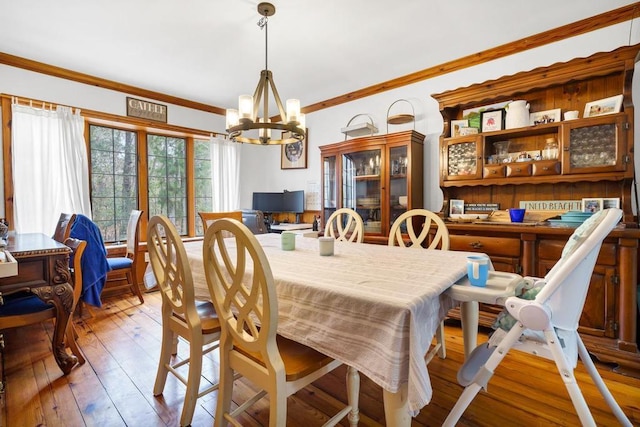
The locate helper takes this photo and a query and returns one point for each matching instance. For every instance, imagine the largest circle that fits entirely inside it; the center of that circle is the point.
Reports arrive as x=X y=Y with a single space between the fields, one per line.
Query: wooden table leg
x=396 y=407
x=61 y=296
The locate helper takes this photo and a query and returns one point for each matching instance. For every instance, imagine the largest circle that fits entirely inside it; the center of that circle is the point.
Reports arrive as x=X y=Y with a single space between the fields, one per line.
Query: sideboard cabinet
x=591 y=157
x=380 y=177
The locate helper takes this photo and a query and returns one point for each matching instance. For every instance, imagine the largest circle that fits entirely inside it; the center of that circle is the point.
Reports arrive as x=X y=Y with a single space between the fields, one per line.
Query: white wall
x=261 y=165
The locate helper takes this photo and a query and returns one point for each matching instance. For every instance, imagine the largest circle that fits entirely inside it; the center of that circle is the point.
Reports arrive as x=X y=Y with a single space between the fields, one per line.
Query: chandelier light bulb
x=232 y=118
x=245 y=107
x=293 y=110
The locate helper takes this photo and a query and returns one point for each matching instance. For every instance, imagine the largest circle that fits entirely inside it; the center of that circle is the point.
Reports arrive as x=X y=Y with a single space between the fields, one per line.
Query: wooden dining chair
x=247 y=304
x=209 y=217
x=21 y=308
x=126 y=265
x=196 y=322
x=416 y=224
x=345 y=225
x=63 y=228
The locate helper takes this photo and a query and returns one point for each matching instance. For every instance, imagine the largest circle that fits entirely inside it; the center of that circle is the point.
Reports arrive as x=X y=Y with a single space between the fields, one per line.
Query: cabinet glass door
x=361 y=189
x=594 y=145
x=329 y=186
x=462 y=158
x=398 y=183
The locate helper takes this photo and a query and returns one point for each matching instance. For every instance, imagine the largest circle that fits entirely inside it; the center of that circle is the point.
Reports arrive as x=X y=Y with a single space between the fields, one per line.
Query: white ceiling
x=211 y=51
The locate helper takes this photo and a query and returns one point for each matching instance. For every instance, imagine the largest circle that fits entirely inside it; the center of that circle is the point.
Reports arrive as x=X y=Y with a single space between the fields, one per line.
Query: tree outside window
x=114 y=180
x=202 y=180
x=167 y=179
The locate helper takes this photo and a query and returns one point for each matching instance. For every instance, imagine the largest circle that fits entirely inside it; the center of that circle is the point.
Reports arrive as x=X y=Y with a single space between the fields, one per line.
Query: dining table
x=374 y=307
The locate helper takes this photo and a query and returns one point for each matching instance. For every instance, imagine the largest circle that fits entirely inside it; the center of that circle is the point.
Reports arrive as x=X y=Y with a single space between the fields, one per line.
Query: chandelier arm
x=258 y=94
x=276 y=96
x=265 y=100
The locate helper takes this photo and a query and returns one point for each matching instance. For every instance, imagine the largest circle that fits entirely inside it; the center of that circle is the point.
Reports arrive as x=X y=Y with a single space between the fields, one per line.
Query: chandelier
x=245 y=118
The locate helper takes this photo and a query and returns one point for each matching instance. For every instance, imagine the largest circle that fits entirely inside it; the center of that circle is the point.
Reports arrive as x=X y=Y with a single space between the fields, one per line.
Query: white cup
x=326 y=245
x=570 y=115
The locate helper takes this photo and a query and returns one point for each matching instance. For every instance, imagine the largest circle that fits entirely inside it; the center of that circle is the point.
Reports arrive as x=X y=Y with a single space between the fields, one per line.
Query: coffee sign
x=146 y=110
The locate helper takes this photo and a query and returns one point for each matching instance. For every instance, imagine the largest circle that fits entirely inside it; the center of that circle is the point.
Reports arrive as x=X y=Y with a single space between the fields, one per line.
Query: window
x=203 y=189
x=173 y=180
x=167 y=179
x=114 y=180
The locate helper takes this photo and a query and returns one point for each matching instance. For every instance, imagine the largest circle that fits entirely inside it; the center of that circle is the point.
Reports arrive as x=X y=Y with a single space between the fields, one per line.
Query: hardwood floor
x=121 y=342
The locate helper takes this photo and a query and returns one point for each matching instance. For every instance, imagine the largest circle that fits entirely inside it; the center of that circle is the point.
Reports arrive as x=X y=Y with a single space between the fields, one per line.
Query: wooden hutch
x=595 y=160
x=380 y=177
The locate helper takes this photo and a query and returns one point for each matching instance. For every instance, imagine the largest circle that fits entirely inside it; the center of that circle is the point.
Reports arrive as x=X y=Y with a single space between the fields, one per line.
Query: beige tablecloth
x=374 y=307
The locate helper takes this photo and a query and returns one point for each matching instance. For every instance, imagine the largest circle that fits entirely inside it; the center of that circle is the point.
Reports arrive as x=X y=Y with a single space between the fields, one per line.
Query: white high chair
x=548 y=325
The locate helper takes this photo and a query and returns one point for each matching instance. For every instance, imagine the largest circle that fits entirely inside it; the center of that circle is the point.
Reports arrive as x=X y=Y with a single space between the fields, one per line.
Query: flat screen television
x=288 y=201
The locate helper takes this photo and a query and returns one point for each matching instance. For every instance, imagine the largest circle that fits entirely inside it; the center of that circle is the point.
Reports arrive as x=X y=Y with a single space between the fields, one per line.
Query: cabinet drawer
x=493 y=171
x=498 y=246
x=552 y=250
x=550 y=167
x=519 y=169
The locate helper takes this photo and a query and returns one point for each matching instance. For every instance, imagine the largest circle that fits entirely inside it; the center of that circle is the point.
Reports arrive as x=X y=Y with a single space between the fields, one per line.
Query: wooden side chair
x=63 y=228
x=126 y=265
x=417 y=225
x=21 y=309
x=247 y=304
x=197 y=323
x=209 y=217
x=345 y=225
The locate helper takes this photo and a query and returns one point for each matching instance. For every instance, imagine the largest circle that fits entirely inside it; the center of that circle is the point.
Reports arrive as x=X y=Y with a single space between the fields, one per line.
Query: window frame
x=109 y=120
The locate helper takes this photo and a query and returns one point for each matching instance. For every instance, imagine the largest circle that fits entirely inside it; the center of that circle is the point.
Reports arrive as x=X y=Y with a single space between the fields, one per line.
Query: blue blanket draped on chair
x=94 y=262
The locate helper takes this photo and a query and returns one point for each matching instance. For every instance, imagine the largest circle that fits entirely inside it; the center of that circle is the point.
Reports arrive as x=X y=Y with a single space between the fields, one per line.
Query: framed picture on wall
x=294 y=155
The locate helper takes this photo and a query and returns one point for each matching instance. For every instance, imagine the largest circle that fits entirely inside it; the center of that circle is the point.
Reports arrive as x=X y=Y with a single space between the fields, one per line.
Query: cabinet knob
x=546 y=168
x=476 y=245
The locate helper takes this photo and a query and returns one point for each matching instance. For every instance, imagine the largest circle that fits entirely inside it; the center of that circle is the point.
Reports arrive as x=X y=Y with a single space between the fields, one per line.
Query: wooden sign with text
x=146 y=110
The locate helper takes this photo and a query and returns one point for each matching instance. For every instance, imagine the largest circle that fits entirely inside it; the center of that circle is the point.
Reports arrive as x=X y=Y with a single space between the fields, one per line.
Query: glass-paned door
x=361 y=186
x=398 y=183
x=329 y=186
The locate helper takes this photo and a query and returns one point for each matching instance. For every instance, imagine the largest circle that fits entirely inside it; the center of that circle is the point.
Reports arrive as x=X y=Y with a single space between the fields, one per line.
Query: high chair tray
x=500 y=285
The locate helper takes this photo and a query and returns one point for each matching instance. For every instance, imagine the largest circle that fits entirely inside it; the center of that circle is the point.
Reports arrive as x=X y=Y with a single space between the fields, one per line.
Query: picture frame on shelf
x=295 y=154
x=456 y=207
x=547 y=116
x=473 y=114
x=456 y=125
x=610 y=105
x=492 y=120
x=611 y=202
x=592 y=204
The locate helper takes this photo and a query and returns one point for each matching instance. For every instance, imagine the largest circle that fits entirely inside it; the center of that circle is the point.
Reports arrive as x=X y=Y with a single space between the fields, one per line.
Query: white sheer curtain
x=225 y=174
x=50 y=167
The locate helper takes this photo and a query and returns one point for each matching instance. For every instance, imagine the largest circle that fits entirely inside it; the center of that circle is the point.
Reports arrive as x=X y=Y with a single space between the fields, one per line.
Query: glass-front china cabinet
x=380 y=177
